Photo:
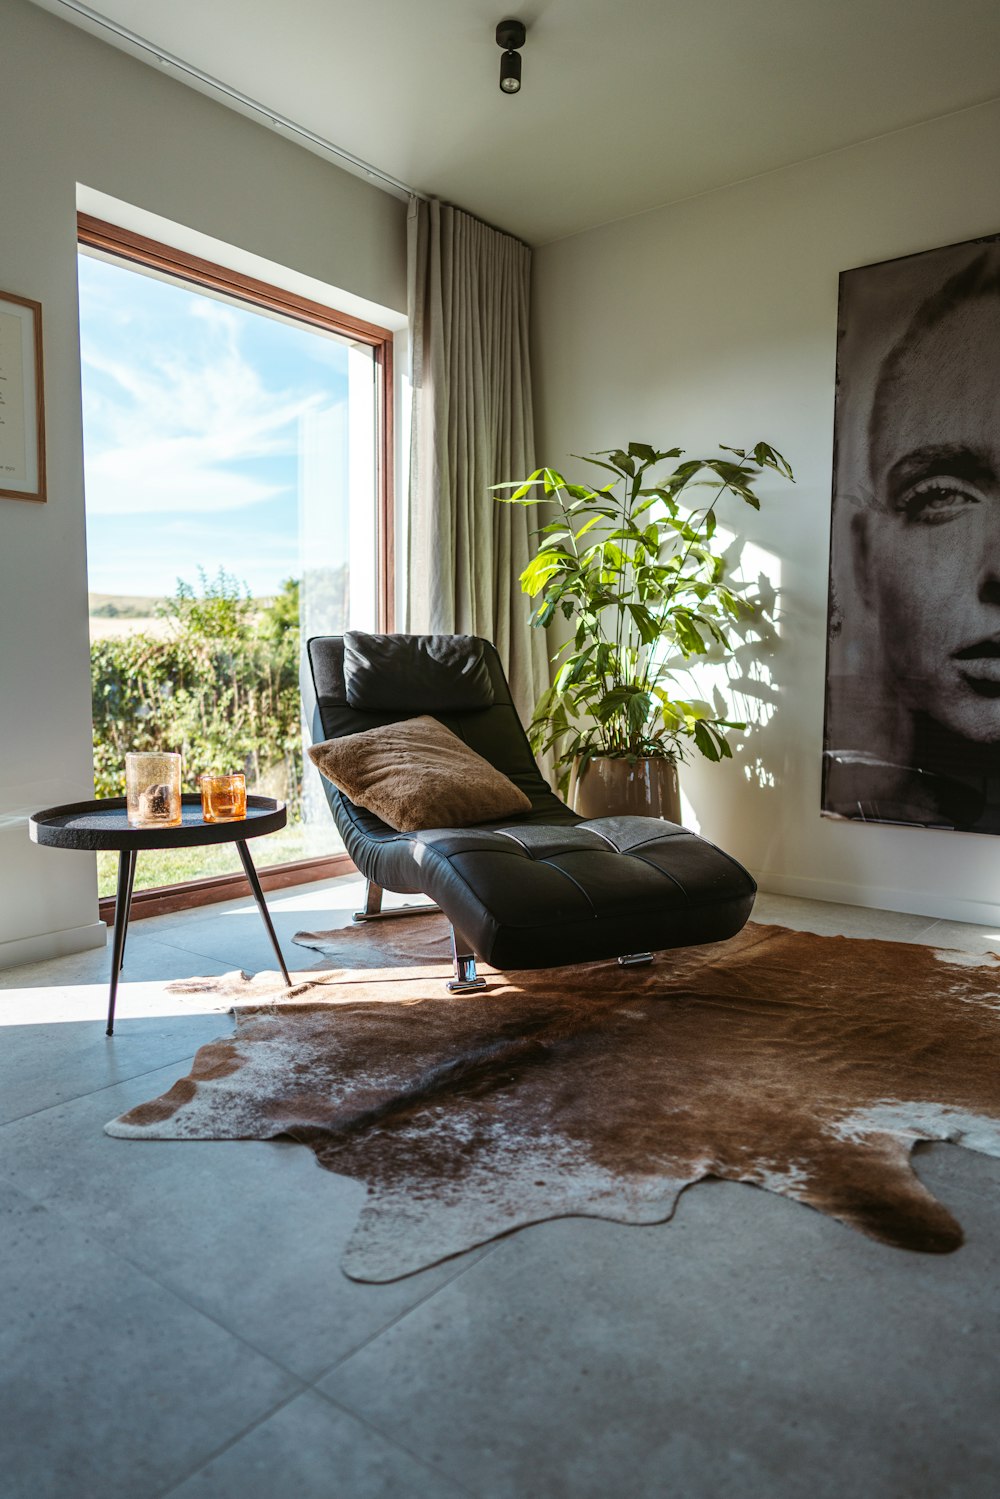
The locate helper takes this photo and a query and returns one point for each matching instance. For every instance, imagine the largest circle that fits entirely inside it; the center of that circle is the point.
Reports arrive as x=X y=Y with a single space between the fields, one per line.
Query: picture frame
x=912 y=721
x=22 y=404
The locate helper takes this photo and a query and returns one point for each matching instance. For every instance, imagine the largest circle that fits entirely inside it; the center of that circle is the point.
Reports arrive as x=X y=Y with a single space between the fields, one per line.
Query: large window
x=238 y=482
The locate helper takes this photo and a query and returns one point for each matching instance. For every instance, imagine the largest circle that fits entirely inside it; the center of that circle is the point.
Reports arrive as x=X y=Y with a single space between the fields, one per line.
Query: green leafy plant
x=632 y=566
x=221 y=685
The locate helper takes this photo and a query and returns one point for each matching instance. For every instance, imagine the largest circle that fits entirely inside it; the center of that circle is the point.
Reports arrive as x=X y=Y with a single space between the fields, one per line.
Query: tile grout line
x=113 y=1248
x=106 y=1087
x=218 y=1451
x=363 y=1420
x=351 y=1416
x=489 y=1249
x=150 y=927
x=101 y=960
x=239 y=907
x=213 y=958
x=304 y=1384
x=116 y=1252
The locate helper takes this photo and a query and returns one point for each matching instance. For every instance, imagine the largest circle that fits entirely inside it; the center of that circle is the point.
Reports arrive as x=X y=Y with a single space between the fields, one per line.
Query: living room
x=181 y=1324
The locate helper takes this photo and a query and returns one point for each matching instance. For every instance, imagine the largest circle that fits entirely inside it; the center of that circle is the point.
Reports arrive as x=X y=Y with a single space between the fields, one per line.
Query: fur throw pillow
x=418 y=774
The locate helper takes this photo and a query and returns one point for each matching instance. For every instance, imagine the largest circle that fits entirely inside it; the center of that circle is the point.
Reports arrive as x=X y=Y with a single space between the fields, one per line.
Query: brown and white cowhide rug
x=806 y=1065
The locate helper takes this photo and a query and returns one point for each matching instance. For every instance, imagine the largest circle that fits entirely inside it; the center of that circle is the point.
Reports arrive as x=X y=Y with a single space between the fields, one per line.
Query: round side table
x=103 y=824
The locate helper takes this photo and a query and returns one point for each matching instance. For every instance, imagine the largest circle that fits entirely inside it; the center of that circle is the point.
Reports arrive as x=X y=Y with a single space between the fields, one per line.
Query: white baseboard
x=938 y=906
x=52 y=944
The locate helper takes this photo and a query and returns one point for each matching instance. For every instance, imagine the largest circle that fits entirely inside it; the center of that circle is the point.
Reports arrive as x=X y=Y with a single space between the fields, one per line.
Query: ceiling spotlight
x=510 y=36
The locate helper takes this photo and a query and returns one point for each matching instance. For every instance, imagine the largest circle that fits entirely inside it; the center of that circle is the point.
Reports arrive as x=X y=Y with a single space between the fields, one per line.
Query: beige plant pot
x=637 y=788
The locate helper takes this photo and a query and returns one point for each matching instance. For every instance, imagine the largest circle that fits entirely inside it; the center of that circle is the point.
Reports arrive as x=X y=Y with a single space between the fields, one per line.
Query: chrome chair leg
x=373 y=907
x=636 y=960
x=466 y=980
x=373 y=903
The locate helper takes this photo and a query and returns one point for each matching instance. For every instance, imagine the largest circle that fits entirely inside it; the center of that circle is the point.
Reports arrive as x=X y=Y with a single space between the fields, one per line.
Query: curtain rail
x=281 y=122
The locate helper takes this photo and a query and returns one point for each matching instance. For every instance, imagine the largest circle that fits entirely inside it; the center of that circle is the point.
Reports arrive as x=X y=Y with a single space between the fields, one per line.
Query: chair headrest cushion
x=416 y=673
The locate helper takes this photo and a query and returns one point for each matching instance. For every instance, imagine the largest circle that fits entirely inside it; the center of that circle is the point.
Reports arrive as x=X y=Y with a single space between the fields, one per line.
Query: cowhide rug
x=802 y=1064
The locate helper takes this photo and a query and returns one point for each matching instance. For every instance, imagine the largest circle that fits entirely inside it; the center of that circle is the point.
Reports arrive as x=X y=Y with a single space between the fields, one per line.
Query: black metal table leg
x=126 y=874
x=258 y=896
x=132 y=856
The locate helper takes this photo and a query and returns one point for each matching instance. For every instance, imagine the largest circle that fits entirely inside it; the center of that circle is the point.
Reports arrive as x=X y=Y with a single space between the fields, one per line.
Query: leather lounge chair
x=534 y=891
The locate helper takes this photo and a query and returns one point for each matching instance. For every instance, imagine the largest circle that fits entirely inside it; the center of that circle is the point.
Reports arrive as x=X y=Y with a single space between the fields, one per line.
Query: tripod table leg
x=128 y=903
x=258 y=896
x=123 y=899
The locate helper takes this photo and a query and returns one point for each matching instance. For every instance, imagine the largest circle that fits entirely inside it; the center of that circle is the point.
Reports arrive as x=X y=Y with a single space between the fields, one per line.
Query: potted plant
x=631 y=566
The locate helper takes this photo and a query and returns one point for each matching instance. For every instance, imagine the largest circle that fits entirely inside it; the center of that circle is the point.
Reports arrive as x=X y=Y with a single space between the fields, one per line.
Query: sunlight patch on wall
x=742 y=686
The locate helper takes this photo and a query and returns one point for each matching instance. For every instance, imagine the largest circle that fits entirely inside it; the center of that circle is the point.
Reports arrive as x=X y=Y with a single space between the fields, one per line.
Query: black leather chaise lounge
x=534 y=891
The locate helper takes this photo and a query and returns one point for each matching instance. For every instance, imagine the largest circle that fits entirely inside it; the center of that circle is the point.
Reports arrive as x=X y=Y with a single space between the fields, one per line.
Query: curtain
x=472 y=426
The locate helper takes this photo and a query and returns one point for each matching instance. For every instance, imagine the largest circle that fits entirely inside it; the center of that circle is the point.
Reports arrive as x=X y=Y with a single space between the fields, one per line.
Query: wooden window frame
x=151 y=254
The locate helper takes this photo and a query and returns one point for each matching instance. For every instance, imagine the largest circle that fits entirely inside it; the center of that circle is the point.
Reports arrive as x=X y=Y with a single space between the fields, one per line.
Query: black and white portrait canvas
x=912 y=729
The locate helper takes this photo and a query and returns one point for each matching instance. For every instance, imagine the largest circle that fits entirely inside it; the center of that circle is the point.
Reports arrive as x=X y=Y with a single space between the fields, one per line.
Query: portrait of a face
x=913 y=667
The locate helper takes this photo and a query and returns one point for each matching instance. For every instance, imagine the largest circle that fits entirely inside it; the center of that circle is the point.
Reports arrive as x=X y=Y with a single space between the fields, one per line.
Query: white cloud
x=163 y=442
x=157 y=477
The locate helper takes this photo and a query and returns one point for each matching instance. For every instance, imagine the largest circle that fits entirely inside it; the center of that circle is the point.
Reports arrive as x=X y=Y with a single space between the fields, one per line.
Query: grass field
x=102 y=628
x=115 y=614
x=124 y=605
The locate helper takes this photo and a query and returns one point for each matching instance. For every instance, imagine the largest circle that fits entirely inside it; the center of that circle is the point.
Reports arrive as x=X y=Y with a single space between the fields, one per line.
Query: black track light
x=510 y=72
x=510 y=36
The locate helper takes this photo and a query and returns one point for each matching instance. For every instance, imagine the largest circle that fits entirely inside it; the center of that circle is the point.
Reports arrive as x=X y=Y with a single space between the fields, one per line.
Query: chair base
x=454 y=986
x=466 y=980
x=373 y=907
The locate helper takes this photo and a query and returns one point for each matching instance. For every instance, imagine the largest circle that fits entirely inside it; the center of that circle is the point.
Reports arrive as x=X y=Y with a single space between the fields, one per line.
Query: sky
x=192 y=413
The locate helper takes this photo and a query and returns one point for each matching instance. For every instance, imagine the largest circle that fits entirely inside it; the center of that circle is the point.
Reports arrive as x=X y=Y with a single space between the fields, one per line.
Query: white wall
x=74 y=111
x=715 y=320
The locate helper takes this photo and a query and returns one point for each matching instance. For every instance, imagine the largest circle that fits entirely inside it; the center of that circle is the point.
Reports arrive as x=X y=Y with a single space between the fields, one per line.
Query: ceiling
x=624 y=106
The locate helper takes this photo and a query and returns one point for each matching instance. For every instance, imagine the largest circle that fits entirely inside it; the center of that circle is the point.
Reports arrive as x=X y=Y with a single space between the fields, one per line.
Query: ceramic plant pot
x=619 y=787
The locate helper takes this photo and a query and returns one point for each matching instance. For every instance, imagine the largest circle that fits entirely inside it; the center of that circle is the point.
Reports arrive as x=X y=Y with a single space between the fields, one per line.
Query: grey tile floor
x=174 y=1321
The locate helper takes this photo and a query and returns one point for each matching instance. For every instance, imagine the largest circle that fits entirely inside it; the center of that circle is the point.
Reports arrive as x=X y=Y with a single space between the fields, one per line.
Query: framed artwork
x=22 y=409
x=912 y=724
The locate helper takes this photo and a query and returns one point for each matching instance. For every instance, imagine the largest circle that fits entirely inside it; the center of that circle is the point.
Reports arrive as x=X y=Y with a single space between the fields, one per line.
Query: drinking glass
x=153 y=790
x=223 y=798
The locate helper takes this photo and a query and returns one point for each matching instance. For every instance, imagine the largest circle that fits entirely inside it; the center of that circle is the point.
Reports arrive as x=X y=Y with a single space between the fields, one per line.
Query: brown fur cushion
x=418 y=774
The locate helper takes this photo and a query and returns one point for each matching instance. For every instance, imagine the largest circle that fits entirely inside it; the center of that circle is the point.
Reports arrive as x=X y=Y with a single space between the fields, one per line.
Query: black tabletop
x=104 y=824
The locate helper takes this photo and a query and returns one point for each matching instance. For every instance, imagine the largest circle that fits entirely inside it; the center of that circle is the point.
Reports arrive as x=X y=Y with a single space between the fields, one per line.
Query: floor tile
x=239 y=940
x=249 y=1231
x=68 y=988
x=143 y=950
x=831 y=919
x=961 y=935
x=324 y=896
x=53 y=1044
x=236 y=936
x=109 y=1384
x=311 y=1450
x=750 y=1348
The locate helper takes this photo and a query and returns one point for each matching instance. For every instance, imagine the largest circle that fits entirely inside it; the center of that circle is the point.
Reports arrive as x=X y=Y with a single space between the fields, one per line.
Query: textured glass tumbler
x=153 y=790
x=224 y=798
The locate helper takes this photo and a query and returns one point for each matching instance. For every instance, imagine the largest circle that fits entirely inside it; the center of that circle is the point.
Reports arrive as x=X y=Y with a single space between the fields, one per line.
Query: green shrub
x=222 y=687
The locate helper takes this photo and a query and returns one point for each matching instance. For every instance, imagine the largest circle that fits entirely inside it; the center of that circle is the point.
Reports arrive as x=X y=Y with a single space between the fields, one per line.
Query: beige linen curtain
x=472 y=426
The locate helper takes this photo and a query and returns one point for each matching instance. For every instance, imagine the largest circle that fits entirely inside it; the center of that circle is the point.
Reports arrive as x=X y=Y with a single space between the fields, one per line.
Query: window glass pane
x=230 y=459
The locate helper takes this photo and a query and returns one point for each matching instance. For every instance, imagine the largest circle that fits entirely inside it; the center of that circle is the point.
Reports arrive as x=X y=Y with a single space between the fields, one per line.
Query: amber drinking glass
x=153 y=790
x=224 y=798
